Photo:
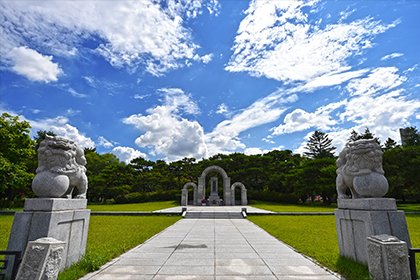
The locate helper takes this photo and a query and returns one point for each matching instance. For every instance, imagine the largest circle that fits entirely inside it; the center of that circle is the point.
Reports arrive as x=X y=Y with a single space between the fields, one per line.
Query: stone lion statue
x=360 y=169
x=61 y=168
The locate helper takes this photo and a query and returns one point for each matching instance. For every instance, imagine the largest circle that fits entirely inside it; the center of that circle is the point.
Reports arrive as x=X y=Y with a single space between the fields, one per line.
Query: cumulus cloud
x=222 y=109
x=131 y=33
x=127 y=154
x=275 y=40
x=60 y=125
x=166 y=131
x=33 y=65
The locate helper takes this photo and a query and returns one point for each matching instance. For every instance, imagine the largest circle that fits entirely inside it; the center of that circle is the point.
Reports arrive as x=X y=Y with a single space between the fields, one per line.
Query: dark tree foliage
x=412 y=137
x=354 y=136
x=389 y=144
x=16 y=154
x=319 y=146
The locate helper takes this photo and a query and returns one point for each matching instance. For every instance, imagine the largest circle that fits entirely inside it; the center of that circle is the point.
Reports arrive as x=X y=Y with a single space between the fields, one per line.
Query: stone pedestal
x=388 y=258
x=357 y=219
x=62 y=219
x=42 y=259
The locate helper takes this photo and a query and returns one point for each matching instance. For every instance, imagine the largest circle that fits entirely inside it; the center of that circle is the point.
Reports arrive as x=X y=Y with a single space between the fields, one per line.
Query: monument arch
x=226 y=184
x=244 y=200
x=184 y=196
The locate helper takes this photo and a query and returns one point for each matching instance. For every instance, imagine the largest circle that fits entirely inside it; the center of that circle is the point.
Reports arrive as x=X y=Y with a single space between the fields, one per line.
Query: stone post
x=42 y=259
x=184 y=197
x=227 y=192
x=388 y=258
x=244 y=195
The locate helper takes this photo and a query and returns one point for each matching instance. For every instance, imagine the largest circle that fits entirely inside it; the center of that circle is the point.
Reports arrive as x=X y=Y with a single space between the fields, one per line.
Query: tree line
x=277 y=176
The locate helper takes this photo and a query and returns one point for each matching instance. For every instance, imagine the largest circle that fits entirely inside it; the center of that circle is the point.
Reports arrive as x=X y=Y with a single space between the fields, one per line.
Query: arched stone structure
x=244 y=200
x=184 y=197
x=226 y=184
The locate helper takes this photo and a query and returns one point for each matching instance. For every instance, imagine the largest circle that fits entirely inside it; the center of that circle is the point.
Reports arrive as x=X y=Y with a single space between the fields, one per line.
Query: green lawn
x=282 y=207
x=316 y=207
x=135 y=207
x=316 y=236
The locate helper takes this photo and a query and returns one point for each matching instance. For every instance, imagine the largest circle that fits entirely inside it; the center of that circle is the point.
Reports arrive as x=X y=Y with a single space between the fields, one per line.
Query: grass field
x=134 y=207
x=316 y=236
x=316 y=207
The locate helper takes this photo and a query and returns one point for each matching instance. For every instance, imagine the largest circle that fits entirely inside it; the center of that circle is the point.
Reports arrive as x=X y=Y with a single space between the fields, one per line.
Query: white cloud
x=131 y=33
x=60 y=126
x=383 y=78
x=265 y=110
x=105 y=143
x=127 y=154
x=166 y=132
x=76 y=94
x=33 y=65
x=330 y=80
x=392 y=55
x=222 y=109
x=275 y=40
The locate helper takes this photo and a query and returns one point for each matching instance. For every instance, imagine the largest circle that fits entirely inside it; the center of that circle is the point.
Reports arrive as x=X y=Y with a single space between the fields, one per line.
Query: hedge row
x=270 y=196
x=137 y=197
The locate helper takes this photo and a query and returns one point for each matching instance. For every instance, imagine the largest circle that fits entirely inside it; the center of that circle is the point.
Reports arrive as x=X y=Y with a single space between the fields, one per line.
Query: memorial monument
x=366 y=213
x=55 y=214
x=214 y=198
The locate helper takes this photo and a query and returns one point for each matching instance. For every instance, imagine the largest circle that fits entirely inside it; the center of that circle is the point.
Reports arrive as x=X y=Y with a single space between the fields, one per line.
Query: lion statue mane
x=61 y=168
x=360 y=169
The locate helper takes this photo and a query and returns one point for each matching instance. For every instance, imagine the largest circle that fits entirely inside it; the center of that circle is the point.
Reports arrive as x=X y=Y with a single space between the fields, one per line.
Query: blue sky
x=194 y=78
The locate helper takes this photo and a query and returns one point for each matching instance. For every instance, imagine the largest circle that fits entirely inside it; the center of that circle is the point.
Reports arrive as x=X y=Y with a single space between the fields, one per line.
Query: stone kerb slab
x=362 y=218
x=388 y=258
x=42 y=259
x=62 y=219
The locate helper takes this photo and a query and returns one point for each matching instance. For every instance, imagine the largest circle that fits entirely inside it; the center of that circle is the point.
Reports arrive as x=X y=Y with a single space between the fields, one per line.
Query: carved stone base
x=357 y=219
x=62 y=219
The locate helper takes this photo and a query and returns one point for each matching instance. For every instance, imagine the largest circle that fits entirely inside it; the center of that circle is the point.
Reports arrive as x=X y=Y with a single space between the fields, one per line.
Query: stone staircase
x=213 y=215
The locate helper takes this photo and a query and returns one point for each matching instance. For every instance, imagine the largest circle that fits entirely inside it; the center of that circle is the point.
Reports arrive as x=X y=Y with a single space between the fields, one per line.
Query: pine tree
x=319 y=146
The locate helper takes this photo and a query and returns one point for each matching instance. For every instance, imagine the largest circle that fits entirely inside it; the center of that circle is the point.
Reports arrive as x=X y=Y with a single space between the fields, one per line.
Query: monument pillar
x=214 y=198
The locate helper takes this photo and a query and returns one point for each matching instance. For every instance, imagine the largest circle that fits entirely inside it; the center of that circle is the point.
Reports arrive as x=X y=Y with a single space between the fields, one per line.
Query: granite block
x=372 y=204
x=54 y=204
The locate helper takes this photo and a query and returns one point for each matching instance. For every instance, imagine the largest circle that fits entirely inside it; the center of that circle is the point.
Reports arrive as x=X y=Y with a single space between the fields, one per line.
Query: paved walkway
x=212 y=249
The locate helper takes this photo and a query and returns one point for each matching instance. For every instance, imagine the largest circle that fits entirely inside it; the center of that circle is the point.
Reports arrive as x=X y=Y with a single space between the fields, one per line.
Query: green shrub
x=137 y=197
x=271 y=196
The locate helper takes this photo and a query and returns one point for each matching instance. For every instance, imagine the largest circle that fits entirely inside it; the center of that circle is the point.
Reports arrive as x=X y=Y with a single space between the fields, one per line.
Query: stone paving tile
x=184 y=261
x=132 y=269
x=122 y=277
x=183 y=277
x=245 y=277
x=239 y=262
x=243 y=270
x=187 y=269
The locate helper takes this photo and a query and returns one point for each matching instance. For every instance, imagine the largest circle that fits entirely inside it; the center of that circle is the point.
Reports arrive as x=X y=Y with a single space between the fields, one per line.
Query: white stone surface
x=388 y=258
x=42 y=259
